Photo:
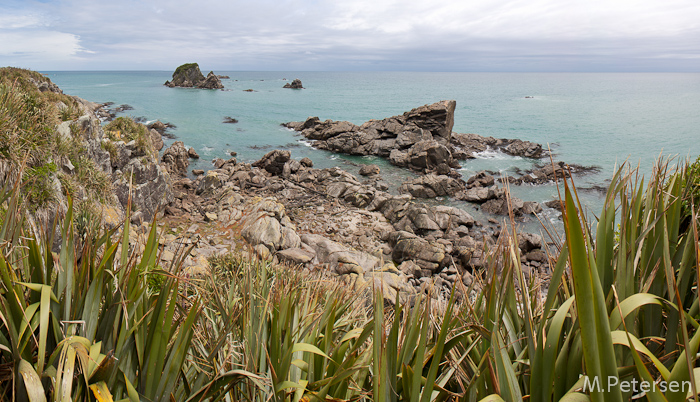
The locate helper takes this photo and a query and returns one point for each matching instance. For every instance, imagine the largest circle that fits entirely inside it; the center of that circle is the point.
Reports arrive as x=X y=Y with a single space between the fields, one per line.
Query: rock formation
x=418 y=139
x=296 y=84
x=189 y=76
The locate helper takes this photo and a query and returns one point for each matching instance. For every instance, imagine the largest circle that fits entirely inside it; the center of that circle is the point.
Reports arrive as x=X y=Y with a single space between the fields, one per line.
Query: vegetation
x=126 y=129
x=99 y=320
x=181 y=69
x=30 y=142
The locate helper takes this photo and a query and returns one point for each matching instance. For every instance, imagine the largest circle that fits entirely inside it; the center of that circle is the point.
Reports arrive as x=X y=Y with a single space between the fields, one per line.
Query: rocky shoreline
x=328 y=220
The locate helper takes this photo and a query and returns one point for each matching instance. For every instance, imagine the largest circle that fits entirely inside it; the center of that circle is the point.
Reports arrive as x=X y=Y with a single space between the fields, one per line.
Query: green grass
x=96 y=317
x=181 y=69
x=31 y=146
x=622 y=305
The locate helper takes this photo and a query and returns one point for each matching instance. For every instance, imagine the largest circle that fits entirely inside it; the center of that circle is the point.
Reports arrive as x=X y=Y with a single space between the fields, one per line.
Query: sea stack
x=296 y=84
x=189 y=76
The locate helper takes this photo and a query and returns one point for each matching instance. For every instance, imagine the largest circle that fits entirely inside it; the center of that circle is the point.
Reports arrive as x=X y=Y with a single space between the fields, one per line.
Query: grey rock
x=175 y=159
x=274 y=161
x=296 y=84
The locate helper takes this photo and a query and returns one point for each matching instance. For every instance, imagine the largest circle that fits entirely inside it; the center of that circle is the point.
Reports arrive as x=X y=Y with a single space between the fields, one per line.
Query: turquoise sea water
x=596 y=119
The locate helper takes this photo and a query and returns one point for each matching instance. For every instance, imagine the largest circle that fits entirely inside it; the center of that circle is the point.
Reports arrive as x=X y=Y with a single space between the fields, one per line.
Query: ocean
x=591 y=119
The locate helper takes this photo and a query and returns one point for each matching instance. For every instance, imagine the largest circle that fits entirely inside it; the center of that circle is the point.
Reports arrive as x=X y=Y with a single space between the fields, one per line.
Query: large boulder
x=407 y=246
x=175 y=159
x=438 y=118
x=265 y=222
x=146 y=183
x=431 y=186
x=274 y=161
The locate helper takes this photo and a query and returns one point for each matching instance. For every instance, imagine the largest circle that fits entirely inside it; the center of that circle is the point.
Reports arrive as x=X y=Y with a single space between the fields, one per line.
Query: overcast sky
x=419 y=35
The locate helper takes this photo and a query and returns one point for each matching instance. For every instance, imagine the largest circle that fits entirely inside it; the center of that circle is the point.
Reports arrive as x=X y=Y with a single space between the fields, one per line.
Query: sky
x=346 y=35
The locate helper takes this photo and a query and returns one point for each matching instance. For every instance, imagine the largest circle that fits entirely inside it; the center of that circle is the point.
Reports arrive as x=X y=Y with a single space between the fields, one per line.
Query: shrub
x=126 y=129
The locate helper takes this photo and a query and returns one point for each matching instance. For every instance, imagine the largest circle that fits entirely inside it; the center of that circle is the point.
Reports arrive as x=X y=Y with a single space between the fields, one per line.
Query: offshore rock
x=189 y=76
x=296 y=84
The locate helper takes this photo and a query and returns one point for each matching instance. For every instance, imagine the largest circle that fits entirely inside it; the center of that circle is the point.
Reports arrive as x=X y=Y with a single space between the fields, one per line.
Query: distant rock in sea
x=296 y=84
x=189 y=76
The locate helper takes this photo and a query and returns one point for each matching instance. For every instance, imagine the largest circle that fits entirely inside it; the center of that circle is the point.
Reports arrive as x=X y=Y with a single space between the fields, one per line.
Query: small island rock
x=189 y=76
x=296 y=84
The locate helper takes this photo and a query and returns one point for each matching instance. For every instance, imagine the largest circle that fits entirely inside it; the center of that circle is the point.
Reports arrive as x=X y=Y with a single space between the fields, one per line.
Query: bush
x=126 y=129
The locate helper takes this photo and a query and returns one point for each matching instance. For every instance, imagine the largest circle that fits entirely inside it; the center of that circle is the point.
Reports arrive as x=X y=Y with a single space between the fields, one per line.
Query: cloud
x=27 y=38
x=378 y=34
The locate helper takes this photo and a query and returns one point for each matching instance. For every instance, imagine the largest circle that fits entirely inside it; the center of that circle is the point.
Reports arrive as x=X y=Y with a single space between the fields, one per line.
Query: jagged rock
x=481 y=179
x=500 y=206
x=189 y=75
x=393 y=137
x=450 y=217
x=176 y=159
x=192 y=153
x=529 y=241
x=296 y=84
x=409 y=267
x=211 y=82
x=437 y=118
x=149 y=185
x=306 y=162
x=431 y=186
x=158 y=125
x=156 y=139
x=274 y=161
x=551 y=173
x=209 y=184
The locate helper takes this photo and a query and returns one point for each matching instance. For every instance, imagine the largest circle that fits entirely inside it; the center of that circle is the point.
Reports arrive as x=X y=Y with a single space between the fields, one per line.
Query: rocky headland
x=189 y=76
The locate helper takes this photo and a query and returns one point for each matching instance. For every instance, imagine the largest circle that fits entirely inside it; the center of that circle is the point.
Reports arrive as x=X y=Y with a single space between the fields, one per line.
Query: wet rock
x=192 y=153
x=393 y=137
x=369 y=170
x=525 y=149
